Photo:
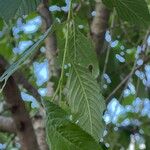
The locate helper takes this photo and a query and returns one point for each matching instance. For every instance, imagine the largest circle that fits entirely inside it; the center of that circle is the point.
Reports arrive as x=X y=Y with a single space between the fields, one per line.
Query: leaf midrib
x=84 y=93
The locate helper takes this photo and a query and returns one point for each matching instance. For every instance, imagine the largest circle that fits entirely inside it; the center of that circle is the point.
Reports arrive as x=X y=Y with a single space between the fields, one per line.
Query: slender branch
x=108 y=49
x=126 y=79
x=108 y=99
x=65 y=53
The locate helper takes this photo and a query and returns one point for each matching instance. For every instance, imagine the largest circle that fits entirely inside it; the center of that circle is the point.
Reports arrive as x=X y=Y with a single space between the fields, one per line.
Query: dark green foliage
x=134 y=11
x=63 y=134
x=9 y=8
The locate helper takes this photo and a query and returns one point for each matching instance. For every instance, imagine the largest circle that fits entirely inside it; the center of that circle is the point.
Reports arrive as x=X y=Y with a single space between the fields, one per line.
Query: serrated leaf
x=9 y=8
x=85 y=99
x=64 y=135
x=86 y=55
x=134 y=11
x=81 y=50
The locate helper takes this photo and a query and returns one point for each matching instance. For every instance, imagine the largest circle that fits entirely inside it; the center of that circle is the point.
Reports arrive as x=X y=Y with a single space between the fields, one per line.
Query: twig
x=64 y=55
x=108 y=99
x=108 y=50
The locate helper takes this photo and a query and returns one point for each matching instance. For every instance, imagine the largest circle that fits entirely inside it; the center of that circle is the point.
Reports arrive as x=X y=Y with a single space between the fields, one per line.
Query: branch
x=39 y=126
x=99 y=26
x=22 y=80
x=7 y=124
x=50 y=43
x=51 y=54
x=20 y=115
x=108 y=99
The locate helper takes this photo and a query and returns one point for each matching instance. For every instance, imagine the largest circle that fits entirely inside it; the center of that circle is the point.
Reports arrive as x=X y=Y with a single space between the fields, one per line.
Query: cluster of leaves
x=82 y=127
x=83 y=92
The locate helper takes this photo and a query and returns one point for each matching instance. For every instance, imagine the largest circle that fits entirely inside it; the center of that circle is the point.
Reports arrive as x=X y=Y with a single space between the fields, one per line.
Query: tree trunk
x=99 y=26
x=20 y=115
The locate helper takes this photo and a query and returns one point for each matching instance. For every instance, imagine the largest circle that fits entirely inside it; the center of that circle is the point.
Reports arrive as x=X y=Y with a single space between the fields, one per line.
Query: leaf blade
x=64 y=134
x=9 y=8
x=85 y=100
x=135 y=11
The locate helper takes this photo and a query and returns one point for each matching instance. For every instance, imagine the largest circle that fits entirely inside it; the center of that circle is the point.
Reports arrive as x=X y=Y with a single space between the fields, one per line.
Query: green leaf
x=121 y=136
x=128 y=100
x=1 y=24
x=108 y=3
x=64 y=135
x=146 y=129
x=26 y=55
x=81 y=50
x=86 y=100
x=147 y=143
x=9 y=8
x=86 y=55
x=5 y=50
x=134 y=11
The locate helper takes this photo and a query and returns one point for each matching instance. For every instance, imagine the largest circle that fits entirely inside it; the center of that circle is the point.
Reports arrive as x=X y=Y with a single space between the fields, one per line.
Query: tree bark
x=51 y=54
x=39 y=126
x=99 y=26
x=7 y=124
x=19 y=113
